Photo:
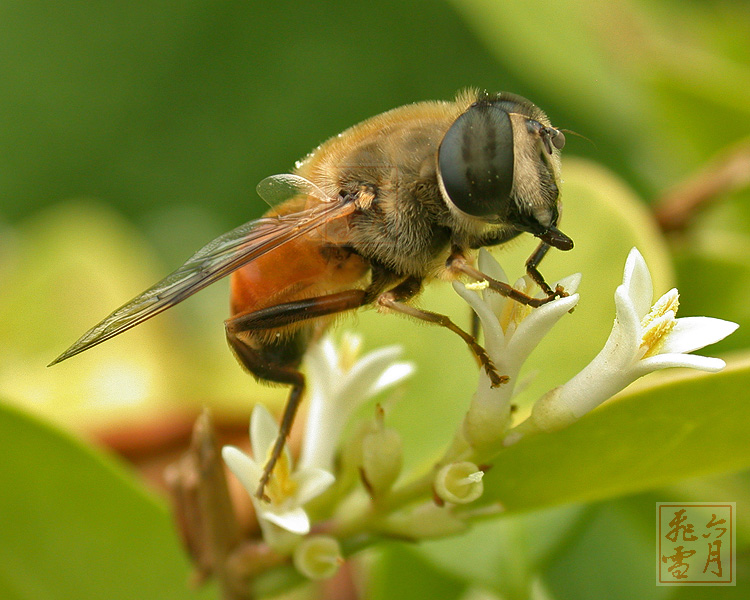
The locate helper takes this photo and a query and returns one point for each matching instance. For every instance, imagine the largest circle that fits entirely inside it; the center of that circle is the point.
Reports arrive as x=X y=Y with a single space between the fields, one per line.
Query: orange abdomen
x=303 y=268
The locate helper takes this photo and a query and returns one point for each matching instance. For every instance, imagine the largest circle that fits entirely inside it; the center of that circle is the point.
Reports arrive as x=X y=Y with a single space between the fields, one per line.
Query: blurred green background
x=133 y=133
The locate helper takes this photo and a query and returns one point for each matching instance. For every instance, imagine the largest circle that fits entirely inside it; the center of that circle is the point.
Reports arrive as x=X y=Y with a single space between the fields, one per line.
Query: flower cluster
x=340 y=384
x=353 y=490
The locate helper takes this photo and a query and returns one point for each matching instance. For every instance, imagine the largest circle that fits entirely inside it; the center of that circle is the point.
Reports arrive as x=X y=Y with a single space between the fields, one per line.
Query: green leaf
x=733 y=487
x=505 y=555
x=738 y=592
x=612 y=556
x=613 y=553
x=75 y=525
x=400 y=572
x=685 y=426
x=601 y=551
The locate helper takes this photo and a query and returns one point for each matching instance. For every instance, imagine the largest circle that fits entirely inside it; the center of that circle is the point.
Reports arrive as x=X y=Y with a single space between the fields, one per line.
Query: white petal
x=295 y=520
x=637 y=282
x=692 y=361
x=393 y=375
x=363 y=376
x=321 y=377
x=489 y=266
x=351 y=344
x=331 y=355
x=534 y=327
x=322 y=431
x=243 y=467
x=691 y=333
x=494 y=335
x=311 y=483
x=522 y=284
x=570 y=283
x=263 y=432
x=626 y=332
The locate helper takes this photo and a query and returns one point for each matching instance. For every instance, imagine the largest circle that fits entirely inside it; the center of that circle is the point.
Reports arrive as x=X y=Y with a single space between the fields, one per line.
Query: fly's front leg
x=531 y=269
x=279 y=362
x=458 y=263
x=394 y=300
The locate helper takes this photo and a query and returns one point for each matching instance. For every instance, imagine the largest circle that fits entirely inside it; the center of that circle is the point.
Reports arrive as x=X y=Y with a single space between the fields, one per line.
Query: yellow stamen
x=281 y=486
x=669 y=301
x=515 y=312
x=349 y=349
x=521 y=311
x=657 y=324
x=658 y=330
x=506 y=314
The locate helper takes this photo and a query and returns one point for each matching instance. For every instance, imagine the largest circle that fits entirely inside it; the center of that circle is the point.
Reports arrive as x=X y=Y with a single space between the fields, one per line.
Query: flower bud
x=459 y=483
x=381 y=456
x=318 y=557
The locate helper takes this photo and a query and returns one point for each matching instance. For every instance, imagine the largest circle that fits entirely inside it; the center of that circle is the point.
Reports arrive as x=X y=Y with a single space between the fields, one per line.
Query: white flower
x=339 y=384
x=511 y=331
x=288 y=490
x=644 y=338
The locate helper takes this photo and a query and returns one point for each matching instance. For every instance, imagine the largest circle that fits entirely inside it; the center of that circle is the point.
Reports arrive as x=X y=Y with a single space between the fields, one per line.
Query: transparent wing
x=279 y=188
x=217 y=259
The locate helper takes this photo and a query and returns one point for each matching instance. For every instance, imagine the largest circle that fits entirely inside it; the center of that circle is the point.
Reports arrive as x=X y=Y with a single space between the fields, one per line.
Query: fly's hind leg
x=279 y=362
x=266 y=369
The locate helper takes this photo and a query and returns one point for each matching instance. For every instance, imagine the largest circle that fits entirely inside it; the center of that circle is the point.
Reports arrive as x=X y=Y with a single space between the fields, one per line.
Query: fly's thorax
x=382 y=148
x=400 y=229
x=387 y=165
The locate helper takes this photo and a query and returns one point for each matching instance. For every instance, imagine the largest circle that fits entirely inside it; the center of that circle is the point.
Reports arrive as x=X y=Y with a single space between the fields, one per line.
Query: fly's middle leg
x=394 y=299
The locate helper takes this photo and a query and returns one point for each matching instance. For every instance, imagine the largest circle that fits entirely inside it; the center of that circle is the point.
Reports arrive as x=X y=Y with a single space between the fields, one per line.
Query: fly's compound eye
x=475 y=162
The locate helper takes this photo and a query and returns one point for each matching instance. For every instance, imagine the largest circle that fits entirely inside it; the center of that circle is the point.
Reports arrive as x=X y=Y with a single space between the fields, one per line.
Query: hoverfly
x=367 y=218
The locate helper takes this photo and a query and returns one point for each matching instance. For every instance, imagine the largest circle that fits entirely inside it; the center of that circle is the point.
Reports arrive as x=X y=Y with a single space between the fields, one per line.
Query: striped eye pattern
x=475 y=161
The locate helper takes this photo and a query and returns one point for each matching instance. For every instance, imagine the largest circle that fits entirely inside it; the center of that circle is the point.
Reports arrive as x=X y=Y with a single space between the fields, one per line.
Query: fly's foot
x=559 y=292
x=260 y=493
x=496 y=380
